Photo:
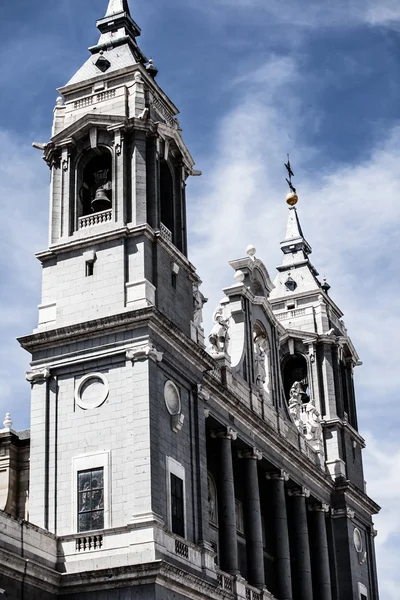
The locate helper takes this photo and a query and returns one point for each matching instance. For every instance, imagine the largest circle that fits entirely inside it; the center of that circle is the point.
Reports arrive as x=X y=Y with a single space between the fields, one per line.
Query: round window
x=91 y=391
x=358 y=542
x=172 y=398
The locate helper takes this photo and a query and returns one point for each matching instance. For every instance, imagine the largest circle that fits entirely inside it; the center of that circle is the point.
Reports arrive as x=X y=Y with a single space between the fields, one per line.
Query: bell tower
x=118 y=171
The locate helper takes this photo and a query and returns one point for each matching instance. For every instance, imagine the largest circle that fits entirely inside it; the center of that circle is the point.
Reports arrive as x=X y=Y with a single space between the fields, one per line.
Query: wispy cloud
x=310 y=13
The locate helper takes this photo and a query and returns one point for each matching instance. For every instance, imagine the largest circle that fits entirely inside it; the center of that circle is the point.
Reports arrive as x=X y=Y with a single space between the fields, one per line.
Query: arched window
x=95 y=187
x=294 y=370
x=167 y=197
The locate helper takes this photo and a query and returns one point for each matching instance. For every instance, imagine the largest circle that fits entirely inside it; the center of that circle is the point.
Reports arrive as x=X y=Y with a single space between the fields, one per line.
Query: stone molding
x=251 y=453
x=277 y=476
x=226 y=433
x=202 y=393
x=37 y=376
x=325 y=508
x=301 y=492
x=339 y=513
x=143 y=353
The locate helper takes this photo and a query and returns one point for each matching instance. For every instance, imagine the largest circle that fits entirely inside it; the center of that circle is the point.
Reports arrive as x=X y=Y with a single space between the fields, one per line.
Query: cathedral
x=166 y=460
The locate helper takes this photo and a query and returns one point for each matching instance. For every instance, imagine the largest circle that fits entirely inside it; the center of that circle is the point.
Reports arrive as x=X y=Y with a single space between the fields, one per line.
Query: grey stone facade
x=229 y=473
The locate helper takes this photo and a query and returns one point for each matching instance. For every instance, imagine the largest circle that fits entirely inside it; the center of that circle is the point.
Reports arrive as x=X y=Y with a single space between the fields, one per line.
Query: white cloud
x=309 y=13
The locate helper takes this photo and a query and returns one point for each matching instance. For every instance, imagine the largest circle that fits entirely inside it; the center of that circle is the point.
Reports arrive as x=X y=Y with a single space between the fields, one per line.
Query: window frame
x=90 y=491
x=91 y=462
x=175 y=468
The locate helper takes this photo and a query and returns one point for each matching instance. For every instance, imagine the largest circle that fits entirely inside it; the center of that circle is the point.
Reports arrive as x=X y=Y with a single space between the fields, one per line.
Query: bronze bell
x=101 y=201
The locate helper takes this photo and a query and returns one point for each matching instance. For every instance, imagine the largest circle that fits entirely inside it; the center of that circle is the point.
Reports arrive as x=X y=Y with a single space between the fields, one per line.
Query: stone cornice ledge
x=357 y=498
x=32 y=573
x=150 y=316
x=159 y=572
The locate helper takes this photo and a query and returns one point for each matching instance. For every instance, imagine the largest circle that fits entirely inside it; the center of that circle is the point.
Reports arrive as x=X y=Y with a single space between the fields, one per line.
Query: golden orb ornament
x=292 y=199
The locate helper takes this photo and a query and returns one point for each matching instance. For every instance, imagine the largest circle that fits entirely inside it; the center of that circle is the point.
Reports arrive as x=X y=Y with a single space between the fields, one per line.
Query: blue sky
x=253 y=79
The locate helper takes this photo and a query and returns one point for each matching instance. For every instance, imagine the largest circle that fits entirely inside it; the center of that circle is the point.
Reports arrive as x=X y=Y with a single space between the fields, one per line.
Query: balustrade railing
x=98 y=218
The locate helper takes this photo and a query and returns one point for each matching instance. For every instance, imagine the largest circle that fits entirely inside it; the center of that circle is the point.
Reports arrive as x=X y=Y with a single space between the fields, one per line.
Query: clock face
x=358 y=542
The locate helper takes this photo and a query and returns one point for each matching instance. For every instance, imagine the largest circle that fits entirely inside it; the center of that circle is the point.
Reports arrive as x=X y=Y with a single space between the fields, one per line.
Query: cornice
x=150 y=317
x=357 y=498
x=160 y=572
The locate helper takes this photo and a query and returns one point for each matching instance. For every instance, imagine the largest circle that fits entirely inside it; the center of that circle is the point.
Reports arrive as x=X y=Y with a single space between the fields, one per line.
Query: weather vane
x=292 y=198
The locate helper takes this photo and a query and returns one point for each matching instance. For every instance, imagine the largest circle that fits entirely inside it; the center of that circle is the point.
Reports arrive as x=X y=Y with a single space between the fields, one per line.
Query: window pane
x=97 y=479
x=84 y=523
x=84 y=480
x=98 y=520
x=83 y=502
x=97 y=500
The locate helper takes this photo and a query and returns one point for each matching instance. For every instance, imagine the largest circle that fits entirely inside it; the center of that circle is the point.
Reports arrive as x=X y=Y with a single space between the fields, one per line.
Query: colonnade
x=292 y=552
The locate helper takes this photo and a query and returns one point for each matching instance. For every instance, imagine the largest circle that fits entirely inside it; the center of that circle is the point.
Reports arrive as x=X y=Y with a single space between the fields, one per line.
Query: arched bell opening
x=95 y=182
x=167 y=198
x=294 y=371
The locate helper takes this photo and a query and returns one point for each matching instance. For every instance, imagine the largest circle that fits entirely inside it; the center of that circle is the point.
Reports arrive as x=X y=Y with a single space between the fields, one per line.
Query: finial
x=251 y=251
x=325 y=285
x=292 y=198
x=151 y=69
x=7 y=421
x=59 y=101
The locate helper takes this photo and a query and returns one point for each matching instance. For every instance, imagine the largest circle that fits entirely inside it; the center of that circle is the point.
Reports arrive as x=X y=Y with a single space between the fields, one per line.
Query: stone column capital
x=300 y=492
x=37 y=375
x=277 y=476
x=251 y=453
x=225 y=433
x=319 y=507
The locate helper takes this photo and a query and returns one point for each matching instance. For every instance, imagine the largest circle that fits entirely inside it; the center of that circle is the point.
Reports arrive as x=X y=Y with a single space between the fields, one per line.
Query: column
x=253 y=522
x=282 y=552
x=320 y=550
x=38 y=478
x=301 y=544
x=226 y=503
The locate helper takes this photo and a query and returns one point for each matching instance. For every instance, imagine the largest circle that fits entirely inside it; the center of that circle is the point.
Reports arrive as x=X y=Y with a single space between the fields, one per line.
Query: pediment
x=82 y=126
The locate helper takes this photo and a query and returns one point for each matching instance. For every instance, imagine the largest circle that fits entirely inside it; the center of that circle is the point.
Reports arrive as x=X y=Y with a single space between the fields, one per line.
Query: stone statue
x=198 y=302
x=313 y=422
x=260 y=361
x=295 y=402
x=219 y=337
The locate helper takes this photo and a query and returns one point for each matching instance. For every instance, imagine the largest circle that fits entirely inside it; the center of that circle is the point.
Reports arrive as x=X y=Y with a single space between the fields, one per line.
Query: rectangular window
x=362 y=592
x=89 y=268
x=91 y=500
x=177 y=506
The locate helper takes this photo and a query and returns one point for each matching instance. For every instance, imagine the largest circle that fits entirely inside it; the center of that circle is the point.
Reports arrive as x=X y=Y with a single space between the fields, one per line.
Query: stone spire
x=117 y=47
x=116 y=27
x=296 y=274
